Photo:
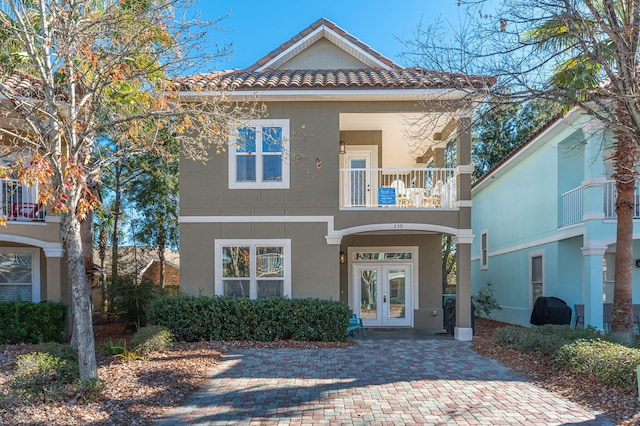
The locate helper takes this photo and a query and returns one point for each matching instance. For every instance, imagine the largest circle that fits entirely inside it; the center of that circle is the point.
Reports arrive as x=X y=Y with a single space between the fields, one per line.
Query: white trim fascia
x=464 y=169
x=317 y=34
x=593 y=216
x=593 y=250
x=465 y=237
x=52 y=219
x=53 y=252
x=562 y=124
x=555 y=238
x=26 y=222
x=334 y=235
x=594 y=181
x=46 y=245
x=331 y=95
x=464 y=203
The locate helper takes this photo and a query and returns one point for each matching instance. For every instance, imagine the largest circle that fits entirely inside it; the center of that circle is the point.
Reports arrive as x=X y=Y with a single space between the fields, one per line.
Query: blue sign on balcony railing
x=386 y=196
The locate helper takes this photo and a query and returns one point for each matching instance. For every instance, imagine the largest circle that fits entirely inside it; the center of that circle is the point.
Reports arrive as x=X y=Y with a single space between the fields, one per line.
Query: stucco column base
x=463 y=334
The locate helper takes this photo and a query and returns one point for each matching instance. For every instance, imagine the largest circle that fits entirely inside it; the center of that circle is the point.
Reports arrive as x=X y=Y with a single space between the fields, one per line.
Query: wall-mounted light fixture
x=343 y=257
x=343 y=147
x=637 y=263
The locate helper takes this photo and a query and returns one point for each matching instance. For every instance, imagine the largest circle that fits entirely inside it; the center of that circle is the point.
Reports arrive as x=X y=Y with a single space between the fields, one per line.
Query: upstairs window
x=257 y=155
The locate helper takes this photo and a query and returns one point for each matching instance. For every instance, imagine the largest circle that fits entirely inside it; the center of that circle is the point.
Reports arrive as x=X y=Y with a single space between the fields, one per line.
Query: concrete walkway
x=385 y=382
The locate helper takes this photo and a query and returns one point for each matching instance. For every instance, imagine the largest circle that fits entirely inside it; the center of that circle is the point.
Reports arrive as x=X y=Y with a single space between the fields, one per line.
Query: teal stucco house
x=544 y=223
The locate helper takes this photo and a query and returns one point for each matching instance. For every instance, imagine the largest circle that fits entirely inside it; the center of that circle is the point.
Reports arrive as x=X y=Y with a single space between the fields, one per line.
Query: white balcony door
x=384 y=294
x=357 y=188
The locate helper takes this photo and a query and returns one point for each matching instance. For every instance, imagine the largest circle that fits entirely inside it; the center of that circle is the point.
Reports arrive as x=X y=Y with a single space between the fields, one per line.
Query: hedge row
x=547 y=339
x=609 y=363
x=201 y=318
x=26 y=322
x=585 y=351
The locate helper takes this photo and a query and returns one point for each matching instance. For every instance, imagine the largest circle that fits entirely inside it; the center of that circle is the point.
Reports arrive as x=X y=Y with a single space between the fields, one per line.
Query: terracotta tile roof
x=376 y=78
x=311 y=28
x=26 y=85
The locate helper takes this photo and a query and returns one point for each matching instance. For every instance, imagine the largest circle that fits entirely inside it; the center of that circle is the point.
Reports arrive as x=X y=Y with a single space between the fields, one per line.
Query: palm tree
x=599 y=45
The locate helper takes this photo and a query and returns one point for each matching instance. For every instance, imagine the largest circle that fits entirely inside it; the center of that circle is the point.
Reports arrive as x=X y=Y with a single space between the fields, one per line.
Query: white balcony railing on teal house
x=573 y=204
x=404 y=188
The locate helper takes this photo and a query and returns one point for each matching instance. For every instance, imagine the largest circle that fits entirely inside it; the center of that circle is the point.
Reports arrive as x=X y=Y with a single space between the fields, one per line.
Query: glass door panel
x=397 y=283
x=368 y=278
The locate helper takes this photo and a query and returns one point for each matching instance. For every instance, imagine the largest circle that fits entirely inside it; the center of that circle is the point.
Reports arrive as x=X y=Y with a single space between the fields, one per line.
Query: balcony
x=573 y=204
x=20 y=202
x=402 y=188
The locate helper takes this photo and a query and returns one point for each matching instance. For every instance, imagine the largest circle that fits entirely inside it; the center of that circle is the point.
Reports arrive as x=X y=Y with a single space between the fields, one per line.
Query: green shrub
x=199 y=318
x=27 y=322
x=485 y=302
x=610 y=363
x=131 y=298
x=151 y=339
x=40 y=372
x=58 y=350
x=112 y=348
x=547 y=339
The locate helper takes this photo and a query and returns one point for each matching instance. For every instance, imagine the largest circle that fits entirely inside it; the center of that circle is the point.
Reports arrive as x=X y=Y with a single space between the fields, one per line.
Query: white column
x=593 y=285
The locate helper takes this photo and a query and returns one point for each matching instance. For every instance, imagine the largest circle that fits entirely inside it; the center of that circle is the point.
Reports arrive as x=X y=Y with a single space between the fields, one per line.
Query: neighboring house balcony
x=19 y=202
x=402 y=188
x=573 y=204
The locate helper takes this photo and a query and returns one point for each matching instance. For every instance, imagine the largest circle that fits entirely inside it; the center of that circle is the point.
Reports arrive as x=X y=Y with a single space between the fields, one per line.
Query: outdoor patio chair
x=579 y=315
x=355 y=324
x=22 y=210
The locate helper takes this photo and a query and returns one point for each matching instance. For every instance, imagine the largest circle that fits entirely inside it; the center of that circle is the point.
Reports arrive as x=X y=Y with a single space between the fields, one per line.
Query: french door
x=384 y=293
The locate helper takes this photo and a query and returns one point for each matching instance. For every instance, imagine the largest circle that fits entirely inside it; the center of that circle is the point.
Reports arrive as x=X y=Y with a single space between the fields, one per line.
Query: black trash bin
x=550 y=310
x=450 y=316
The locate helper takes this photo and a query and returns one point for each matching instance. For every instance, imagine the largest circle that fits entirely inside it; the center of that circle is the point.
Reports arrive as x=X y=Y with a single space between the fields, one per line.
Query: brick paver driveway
x=432 y=381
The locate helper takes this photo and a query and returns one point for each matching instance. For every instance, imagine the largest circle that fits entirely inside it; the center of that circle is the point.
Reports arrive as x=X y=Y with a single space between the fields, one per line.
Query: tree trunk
x=626 y=155
x=162 y=242
x=446 y=264
x=116 y=221
x=82 y=322
x=102 y=252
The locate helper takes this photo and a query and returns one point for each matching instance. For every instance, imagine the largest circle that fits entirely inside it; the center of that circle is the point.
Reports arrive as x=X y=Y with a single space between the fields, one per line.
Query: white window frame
x=533 y=255
x=484 y=250
x=35 y=268
x=252 y=244
x=259 y=184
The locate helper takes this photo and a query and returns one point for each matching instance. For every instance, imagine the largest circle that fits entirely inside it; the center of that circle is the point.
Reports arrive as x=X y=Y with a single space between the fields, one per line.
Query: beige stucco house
x=340 y=191
x=32 y=267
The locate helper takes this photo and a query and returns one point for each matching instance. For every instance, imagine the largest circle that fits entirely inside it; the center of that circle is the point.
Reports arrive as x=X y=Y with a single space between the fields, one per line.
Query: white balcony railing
x=573 y=205
x=610 y=196
x=20 y=202
x=398 y=187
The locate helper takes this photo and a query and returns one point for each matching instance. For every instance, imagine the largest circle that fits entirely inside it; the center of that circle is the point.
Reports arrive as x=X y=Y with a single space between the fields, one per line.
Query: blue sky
x=257 y=27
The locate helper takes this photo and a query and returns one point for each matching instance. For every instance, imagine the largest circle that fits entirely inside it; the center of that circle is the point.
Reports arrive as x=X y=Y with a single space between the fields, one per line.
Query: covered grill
x=550 y=310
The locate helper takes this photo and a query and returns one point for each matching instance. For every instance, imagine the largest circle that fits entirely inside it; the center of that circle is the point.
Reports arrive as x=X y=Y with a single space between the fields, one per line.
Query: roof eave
x=337 y=94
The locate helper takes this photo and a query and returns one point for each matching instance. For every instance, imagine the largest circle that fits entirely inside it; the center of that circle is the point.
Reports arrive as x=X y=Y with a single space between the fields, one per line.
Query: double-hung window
x=253 y=268
x=537 y=277
x=257 y=155
x=484 y=251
